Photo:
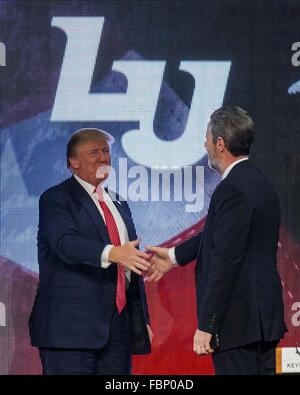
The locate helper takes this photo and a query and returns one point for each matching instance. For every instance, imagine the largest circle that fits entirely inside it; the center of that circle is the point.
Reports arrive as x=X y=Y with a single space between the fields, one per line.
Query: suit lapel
x=80 y=194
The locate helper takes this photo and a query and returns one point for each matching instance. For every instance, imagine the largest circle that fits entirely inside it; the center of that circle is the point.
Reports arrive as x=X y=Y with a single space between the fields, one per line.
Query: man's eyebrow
x=93 y=150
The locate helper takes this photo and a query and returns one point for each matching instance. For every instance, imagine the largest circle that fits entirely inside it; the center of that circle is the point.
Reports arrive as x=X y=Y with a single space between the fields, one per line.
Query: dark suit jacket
x=75 y=296
x=239 y=292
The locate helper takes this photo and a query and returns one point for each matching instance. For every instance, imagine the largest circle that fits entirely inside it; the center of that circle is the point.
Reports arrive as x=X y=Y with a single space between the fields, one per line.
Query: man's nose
x=101 y=157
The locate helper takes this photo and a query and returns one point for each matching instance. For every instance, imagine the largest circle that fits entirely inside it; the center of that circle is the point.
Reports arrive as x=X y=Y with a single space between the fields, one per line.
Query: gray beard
x=210 y=165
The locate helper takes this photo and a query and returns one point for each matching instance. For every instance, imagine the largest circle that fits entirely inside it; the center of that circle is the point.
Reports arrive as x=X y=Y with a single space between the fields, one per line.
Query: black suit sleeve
x=186 y=252
x=232 y=220
x=58 y=231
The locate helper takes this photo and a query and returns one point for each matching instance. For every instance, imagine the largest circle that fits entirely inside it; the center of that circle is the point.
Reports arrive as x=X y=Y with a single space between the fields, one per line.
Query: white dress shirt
x=171 y=250
x=104 y=262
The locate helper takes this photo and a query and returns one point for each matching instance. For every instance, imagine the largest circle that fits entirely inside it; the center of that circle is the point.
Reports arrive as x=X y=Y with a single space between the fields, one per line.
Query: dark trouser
x=256 y=358
x=114 y=358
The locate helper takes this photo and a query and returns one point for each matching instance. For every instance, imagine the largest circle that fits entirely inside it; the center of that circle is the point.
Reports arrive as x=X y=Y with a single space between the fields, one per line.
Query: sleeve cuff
x=104 y=257
x=172 y=256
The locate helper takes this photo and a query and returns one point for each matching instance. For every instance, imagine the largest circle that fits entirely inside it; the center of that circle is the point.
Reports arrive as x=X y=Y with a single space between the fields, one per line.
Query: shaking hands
x=130 y=257
x=153 y=264
x=160 y=263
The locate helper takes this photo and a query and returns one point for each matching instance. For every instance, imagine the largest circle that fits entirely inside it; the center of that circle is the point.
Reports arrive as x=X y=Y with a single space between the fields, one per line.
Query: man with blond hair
x=90 y=312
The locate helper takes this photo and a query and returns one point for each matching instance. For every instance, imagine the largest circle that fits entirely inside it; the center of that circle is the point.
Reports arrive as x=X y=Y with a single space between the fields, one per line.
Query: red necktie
x=115 y=239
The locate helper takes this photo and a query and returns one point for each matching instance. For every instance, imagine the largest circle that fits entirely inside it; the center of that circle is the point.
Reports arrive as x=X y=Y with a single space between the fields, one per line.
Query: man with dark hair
x=90 y=312
x=239 y=293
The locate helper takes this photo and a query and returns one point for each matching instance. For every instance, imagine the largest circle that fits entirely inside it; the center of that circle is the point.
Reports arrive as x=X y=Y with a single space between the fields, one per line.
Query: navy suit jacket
x=75 y=297
x=239 y=292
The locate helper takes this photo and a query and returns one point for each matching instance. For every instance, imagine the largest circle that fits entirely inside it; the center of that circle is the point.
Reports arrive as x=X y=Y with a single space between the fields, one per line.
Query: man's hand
x=202 y=343
x=130 y=257
x=160 y=263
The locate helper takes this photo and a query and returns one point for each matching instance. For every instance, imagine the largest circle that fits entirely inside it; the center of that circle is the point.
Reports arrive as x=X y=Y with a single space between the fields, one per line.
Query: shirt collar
x=86 y=185
x=230 y=167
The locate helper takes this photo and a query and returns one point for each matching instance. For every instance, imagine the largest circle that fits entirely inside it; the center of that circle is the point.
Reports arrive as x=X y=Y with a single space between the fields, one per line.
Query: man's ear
x=74 y=163
x=220 y=144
